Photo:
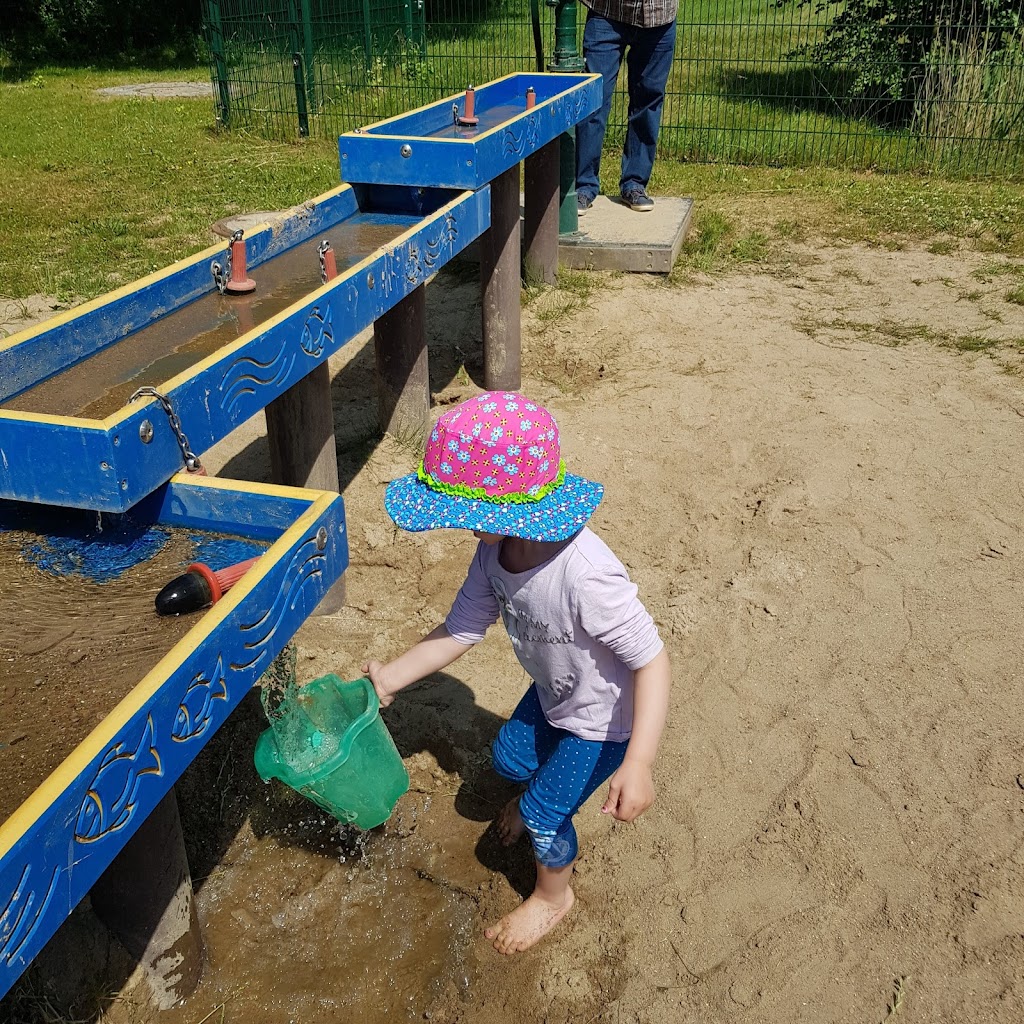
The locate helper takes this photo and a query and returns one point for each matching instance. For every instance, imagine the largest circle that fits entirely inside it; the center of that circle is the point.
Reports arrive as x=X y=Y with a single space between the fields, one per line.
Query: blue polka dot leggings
x=561 y=771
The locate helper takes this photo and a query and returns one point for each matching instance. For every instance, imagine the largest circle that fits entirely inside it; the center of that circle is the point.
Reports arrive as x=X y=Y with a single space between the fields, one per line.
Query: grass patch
x=834 y=206
x=899 y=995
x=988 y=272
x=99 y=192
x=790 y=230
x=973 y=343
x=1015 y=295
x=753 y=247
x=886 y=332
x=568 y=296
x=892 y=334
x=715 y=244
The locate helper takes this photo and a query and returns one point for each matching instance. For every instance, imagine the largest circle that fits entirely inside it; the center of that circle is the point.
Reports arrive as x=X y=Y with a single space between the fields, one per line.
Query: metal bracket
x=192 y=463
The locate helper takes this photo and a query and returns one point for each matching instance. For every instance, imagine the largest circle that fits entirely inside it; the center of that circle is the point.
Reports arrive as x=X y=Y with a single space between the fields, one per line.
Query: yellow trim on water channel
x=370 y=129
x=346 y=278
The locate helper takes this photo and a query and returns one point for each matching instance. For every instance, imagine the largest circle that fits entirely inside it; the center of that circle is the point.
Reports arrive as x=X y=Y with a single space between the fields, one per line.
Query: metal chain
x=322 y=251
x=222 y=274
x=218 y=276
x=192 y=463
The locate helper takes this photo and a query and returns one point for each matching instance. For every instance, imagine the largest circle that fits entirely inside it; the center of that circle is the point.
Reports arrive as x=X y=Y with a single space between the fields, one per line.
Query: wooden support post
x=300 y=431
x=541 y=214
x=403 y=385
x=499 y=277
x=145 y=899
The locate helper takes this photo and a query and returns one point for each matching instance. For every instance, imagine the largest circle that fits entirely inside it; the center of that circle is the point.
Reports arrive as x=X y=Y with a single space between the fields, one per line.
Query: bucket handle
x=356 y=726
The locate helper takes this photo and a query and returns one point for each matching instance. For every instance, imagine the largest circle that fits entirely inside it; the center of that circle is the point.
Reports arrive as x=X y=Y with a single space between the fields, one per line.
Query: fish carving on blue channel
x=317 y=332
x=111 y=799
x=196 y=707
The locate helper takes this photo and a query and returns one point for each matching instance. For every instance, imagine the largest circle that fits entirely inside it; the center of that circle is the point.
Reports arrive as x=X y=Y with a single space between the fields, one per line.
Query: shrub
x=888 y=47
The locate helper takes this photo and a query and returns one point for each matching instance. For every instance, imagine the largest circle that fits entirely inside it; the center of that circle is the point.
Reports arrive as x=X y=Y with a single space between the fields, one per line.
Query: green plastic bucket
x=329 y=743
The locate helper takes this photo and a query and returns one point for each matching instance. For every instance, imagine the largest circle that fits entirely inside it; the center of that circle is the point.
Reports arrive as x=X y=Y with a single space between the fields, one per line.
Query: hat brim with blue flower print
x=494 y=464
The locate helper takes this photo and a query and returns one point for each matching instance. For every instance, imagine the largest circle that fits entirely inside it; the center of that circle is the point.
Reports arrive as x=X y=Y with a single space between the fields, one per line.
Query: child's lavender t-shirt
x=576 y=625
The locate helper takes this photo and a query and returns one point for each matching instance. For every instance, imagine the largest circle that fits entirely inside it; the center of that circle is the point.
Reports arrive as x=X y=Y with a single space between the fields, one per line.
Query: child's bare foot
x=510 y=823
x=528 y=923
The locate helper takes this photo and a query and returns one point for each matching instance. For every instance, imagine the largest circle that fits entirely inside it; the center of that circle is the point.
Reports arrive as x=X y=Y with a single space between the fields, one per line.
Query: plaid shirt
x=643 y=13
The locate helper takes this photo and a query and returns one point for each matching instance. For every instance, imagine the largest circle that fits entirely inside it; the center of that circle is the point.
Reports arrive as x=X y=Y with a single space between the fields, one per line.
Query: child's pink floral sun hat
x=494 y=464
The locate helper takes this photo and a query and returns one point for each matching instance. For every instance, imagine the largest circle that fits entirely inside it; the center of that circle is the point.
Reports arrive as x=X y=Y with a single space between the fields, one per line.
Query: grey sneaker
x=637 y=199
x=583 y=203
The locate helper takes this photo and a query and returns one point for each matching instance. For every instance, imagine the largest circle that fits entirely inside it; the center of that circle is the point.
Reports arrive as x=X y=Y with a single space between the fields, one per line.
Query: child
x=600 y=672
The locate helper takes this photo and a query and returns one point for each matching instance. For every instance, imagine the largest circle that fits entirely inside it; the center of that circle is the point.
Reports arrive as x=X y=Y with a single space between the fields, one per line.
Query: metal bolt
x=321 y=538
x=369 y=279
x=145 y=431
x=406 y=151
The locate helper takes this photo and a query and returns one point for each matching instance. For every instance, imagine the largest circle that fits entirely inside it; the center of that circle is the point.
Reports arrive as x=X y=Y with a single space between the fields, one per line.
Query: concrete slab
x=613 y=237
x=226 y=227
x=161 y=90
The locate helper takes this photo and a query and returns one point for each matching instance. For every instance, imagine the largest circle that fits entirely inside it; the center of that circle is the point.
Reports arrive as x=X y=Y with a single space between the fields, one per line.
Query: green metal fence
x=753 y=81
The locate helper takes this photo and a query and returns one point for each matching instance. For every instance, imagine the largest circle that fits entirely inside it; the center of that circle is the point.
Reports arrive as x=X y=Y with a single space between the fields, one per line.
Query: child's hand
x=630 y=791
x=375 y=671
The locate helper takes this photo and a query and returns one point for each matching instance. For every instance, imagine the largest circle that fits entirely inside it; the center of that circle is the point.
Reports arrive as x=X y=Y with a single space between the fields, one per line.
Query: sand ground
x=819 y=496
x=820 y=502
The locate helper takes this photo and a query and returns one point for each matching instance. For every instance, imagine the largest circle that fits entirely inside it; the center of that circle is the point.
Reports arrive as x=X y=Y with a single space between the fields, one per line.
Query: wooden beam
x=403 y=384
x=499 y=277
x=540 y=225
x=145 y=899
x=303 y=453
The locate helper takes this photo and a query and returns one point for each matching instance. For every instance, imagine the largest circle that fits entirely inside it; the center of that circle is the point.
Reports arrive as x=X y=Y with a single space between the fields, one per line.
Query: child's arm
x=434 y=652
x=631 y=790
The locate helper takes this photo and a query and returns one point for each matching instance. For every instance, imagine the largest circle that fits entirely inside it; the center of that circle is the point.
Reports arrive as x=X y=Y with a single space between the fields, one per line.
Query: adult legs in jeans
x=648 y=64
x=604 y=44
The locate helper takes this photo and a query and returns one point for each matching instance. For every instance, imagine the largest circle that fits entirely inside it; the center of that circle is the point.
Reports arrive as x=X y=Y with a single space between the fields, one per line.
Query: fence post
x=367 y=35
x=420 y=26
x=407 y=21
x=300 y=84
x=220 y=65
x=307 y=50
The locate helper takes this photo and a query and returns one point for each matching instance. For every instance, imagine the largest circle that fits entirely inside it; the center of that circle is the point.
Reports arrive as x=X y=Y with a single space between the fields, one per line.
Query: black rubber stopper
x=186 y=593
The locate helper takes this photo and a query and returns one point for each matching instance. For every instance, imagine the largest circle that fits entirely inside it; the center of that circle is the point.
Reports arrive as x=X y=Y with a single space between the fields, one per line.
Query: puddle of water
x=103 y=383
x=320 y=923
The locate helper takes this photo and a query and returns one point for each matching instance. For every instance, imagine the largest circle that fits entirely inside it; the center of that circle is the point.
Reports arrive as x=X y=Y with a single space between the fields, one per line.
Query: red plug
x=199 y=586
